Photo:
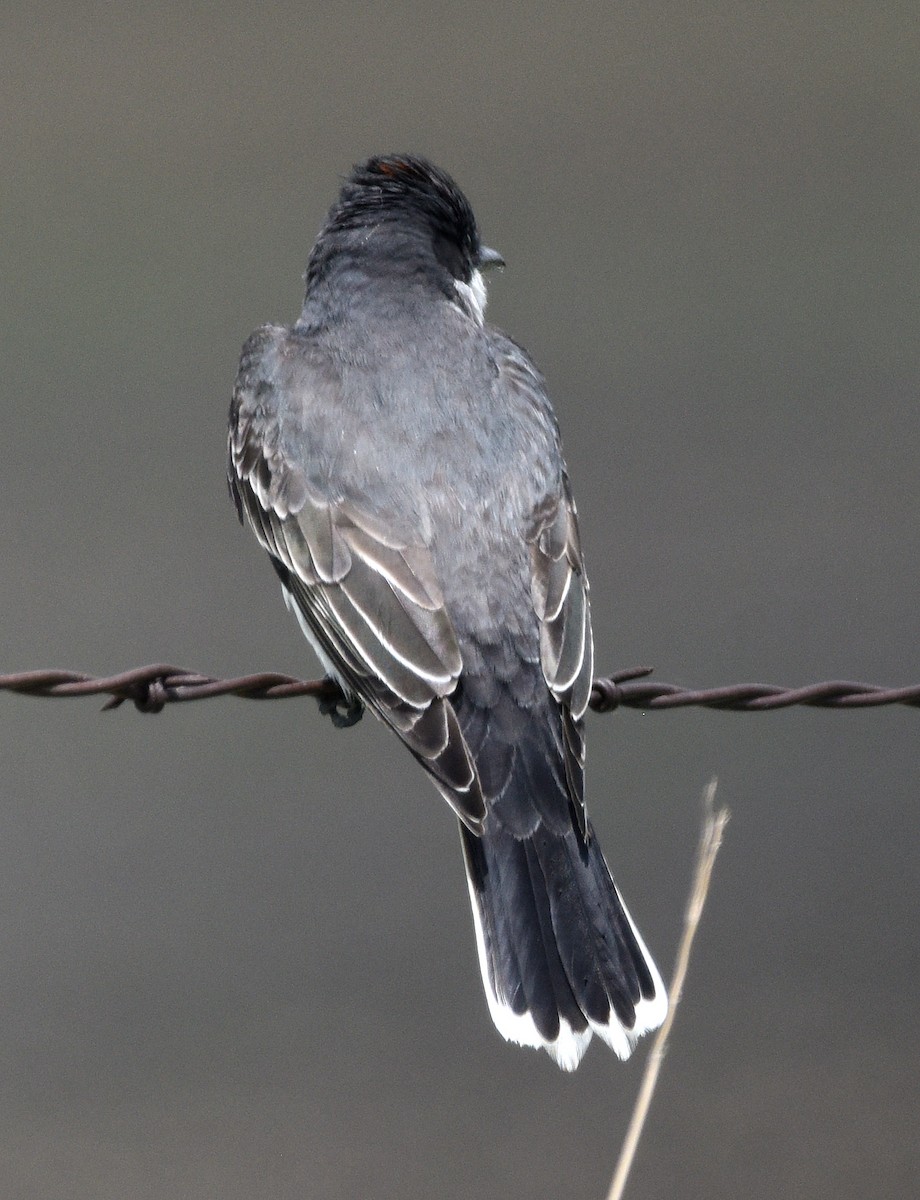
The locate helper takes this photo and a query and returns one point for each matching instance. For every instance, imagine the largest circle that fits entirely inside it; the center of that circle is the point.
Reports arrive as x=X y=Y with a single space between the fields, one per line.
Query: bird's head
x=401 y=216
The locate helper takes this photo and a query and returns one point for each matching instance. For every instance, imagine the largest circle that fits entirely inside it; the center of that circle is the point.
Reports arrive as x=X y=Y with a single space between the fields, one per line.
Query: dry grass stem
x=710 y=840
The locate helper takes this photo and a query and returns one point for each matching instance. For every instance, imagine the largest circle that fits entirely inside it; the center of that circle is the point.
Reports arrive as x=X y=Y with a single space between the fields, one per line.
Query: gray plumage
x=401 y=463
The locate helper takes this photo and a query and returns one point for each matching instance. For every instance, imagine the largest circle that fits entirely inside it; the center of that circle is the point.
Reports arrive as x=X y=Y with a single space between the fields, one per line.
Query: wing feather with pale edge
x=559 y=590
x=369 y=595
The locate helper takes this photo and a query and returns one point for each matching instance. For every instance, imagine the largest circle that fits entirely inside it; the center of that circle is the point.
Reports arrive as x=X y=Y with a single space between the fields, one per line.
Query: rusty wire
x=152 y=687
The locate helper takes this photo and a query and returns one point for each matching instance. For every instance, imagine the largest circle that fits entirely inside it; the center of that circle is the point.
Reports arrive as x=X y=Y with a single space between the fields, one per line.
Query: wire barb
x=152 y=687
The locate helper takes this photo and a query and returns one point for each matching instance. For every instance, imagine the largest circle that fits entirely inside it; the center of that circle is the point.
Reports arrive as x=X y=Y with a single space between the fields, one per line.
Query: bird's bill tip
x=487 y=257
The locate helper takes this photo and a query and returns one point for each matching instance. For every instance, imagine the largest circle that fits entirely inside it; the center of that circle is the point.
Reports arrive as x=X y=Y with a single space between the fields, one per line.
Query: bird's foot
x=342 y=710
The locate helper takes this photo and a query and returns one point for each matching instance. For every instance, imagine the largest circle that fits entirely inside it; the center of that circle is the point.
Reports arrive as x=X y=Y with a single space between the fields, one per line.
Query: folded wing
x=365 y=592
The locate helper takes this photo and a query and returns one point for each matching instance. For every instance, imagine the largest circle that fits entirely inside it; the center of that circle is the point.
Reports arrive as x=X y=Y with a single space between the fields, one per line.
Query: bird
x=400 y=460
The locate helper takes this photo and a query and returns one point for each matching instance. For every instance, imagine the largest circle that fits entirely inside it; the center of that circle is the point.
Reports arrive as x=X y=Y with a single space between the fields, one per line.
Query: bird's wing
x=559 y=590
x=364 y=590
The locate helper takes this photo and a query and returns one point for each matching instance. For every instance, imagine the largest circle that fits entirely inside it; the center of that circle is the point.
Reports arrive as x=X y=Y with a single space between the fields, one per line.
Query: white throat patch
x=472 y=296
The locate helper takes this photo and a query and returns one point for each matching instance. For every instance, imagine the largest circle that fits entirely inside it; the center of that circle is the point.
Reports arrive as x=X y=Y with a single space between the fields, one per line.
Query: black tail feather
x=560 y=957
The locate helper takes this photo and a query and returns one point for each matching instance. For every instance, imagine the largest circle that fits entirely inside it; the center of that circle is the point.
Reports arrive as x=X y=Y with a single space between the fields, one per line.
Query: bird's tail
x=560 y=956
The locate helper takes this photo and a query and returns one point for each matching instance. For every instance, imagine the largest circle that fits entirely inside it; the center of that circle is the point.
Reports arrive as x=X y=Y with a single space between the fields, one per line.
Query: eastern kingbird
x=400 y=461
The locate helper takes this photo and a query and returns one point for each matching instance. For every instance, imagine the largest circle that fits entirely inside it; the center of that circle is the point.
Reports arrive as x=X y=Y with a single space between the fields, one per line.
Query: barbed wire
x=152 y=687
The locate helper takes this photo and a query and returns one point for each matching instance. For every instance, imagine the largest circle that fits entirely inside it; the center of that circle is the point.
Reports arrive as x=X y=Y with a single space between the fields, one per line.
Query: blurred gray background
x=236 y=957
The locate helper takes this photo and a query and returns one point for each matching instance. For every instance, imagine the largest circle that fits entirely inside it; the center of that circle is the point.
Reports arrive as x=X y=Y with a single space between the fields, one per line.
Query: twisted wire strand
x=152 y=687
